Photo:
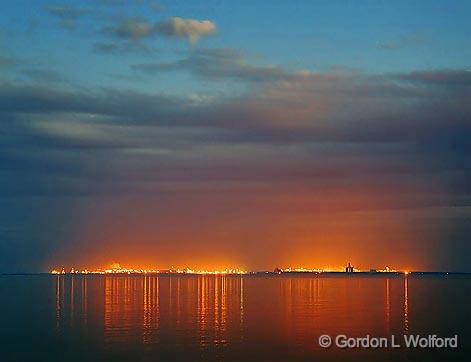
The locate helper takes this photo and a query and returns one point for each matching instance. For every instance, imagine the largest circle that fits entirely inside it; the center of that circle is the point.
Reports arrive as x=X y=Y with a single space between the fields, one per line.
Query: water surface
x=235 y=318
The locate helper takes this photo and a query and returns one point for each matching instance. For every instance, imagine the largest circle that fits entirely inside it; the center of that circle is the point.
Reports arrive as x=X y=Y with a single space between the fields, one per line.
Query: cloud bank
x=137 y=29
x=297 y=161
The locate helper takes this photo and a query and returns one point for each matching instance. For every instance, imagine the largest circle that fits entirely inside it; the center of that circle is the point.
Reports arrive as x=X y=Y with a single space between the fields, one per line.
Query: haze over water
x=189 y=317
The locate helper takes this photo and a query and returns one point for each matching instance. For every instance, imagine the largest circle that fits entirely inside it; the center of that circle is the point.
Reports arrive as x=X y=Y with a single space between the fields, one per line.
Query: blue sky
x=235 y=134
x=373 y=37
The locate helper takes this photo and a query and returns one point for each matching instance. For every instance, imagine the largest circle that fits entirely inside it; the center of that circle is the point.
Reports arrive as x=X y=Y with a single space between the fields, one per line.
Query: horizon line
x=247 y=273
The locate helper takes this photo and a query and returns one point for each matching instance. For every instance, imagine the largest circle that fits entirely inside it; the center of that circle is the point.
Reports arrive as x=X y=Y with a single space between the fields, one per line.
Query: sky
x=245 y=134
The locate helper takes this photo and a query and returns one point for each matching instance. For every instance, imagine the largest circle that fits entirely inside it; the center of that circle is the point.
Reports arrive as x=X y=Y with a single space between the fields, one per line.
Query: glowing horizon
x=116 y=268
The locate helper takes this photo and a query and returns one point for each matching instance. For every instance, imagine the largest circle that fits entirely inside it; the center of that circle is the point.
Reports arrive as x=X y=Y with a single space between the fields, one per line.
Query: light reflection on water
x=406 y=306
x=147 y=318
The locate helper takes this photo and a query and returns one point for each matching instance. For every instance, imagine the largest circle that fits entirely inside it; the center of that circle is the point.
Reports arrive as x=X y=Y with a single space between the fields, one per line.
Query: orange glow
x=115 y=268
x=307 y=226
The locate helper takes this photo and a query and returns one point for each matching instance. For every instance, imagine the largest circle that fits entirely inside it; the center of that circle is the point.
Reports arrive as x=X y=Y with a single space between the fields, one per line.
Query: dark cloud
x=345 y=107
x=444 y=77
x=341 y=108
x=40 y=99
x=219 y=64
x=298 y=145
x=67 y=14
x=66 y=11
x=106 y=48
x=131 y=29
x=226 y=63
x=138 y=28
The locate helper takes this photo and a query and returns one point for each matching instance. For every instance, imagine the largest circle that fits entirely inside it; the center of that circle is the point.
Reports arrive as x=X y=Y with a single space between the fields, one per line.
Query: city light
x=116 y=268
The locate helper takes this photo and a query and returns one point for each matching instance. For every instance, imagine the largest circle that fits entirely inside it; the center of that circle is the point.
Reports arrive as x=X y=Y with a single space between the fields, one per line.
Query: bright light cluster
x=118 y=270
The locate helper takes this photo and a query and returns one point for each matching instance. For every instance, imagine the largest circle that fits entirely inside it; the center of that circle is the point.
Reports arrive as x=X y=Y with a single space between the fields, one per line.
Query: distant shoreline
x=259 y=273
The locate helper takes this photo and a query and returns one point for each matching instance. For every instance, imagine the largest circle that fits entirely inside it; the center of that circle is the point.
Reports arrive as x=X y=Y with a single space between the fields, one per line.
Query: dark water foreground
x=248 y=318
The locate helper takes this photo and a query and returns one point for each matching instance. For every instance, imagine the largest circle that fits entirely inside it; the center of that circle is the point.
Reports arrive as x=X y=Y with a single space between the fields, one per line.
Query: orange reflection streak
x=58 y=303
x=150 y=320
x=211 y=311
x=220 y=308
x=387 y=308
x=217 y=302
x=288 y=303
x=178 y=308
x=63 y=295
x=120 y=305
x=202 y=308
x=72 y=301
x=84 y=301
x=157 y=304
x=406 y=305
x=220 y=311
x=216 y=310
x=121 y=300
x=241 y=308
x=170 y=291
x=223 y=309
x=146 y=324
x=108 y=313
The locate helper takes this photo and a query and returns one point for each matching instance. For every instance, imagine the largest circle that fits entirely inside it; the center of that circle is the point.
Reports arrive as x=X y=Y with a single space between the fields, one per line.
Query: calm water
x=259 y=318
